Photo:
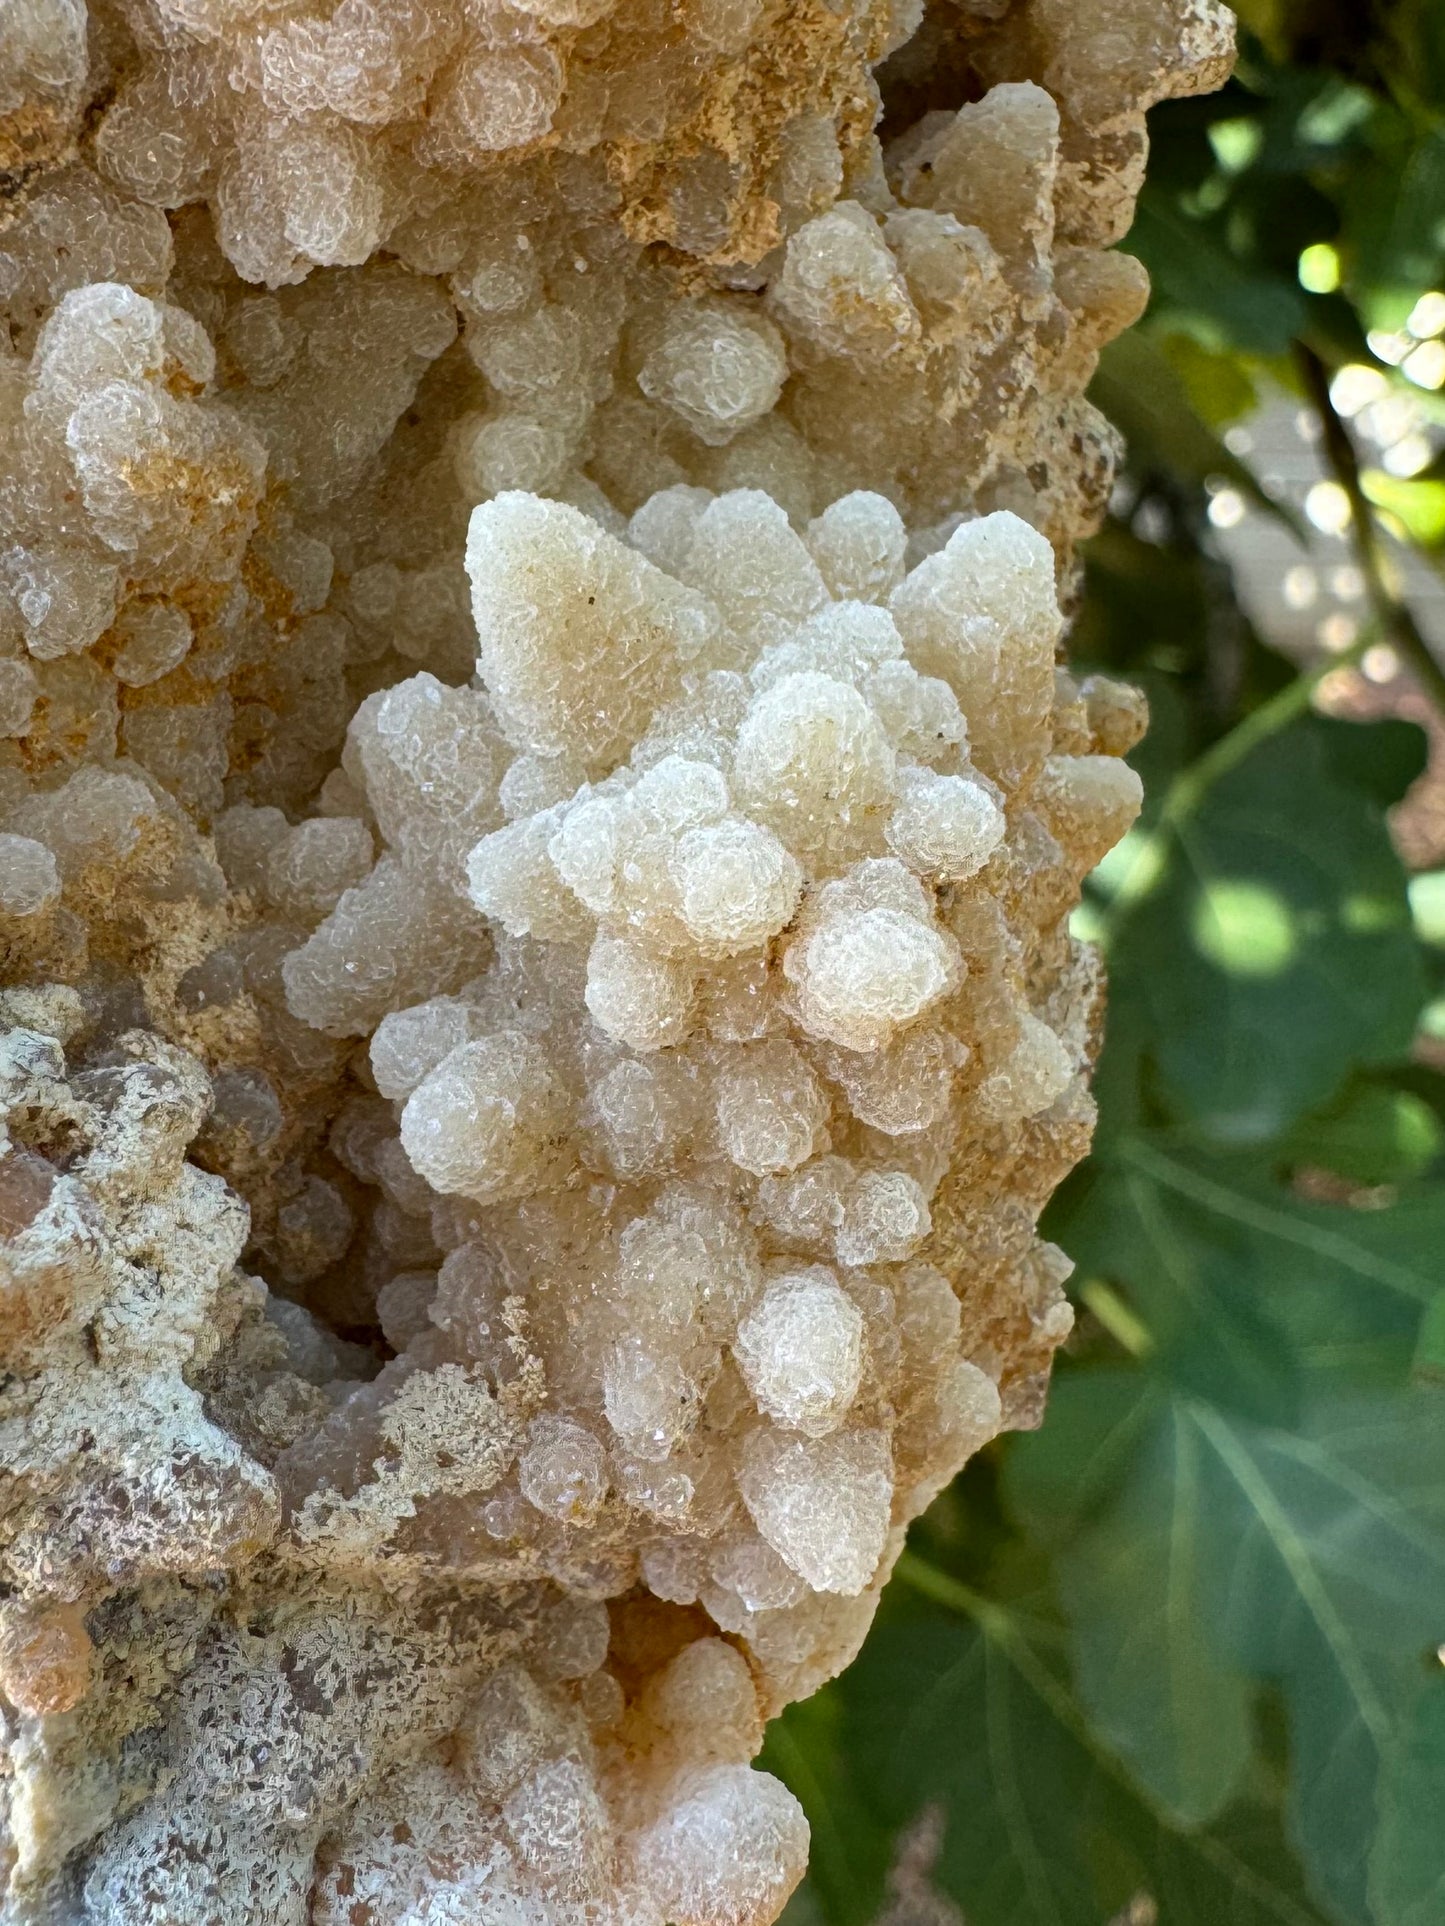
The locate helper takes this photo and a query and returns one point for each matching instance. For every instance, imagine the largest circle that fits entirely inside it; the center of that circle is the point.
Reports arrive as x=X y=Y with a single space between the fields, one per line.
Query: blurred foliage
x=1176 y=1656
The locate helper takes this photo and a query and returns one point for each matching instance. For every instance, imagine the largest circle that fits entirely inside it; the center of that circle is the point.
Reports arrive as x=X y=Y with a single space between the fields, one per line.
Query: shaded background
x=1179 y=1656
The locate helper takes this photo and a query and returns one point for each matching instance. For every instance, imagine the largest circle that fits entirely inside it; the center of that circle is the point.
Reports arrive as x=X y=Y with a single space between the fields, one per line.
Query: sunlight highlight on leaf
x=1245 y=928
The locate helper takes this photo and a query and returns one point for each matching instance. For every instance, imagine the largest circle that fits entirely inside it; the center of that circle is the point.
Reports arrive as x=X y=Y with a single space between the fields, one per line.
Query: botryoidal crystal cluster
x=539 y=811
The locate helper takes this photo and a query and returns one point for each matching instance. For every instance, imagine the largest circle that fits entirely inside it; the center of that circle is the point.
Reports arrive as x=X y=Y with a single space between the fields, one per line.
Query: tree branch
x=1395 y=617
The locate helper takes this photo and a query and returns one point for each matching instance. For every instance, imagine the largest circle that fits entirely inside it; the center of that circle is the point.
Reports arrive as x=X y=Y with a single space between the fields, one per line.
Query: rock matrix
x=540 y=805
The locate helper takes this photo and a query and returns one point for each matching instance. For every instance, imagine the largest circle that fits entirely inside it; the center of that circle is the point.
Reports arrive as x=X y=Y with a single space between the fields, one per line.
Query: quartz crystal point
x=540 y=802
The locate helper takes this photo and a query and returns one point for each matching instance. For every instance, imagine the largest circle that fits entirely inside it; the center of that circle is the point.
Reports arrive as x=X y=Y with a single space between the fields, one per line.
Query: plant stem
x=930 y=1583
x=999 y=1625
x=1129 y=1332
x=1395 y=617
x=1191 y=785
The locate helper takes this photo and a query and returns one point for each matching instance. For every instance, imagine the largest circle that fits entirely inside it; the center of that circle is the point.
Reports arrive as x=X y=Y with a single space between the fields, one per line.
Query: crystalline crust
x=539 y=809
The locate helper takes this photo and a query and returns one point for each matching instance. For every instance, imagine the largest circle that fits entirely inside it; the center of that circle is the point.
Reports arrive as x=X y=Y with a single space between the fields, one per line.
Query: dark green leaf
x=1373 y=1134
x=1156 y=1682
x=1190 y=1269
x=1196 y=277
x=1394 y=212
x=1242 y=1284
x=1277 y=953
x=1381 y=759
x=1338 y=1589
x=1041 y=1825
x=1313 y=1558
x=850 y=1847
x=1407 y=1870
x=1267 y=18
x=1429 y=1362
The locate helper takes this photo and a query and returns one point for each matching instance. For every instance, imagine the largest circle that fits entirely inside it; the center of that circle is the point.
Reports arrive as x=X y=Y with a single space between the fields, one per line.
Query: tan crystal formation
x=539 y=810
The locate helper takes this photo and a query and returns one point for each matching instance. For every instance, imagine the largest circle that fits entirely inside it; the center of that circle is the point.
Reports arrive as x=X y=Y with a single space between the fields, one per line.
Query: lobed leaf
x=1310 y=1558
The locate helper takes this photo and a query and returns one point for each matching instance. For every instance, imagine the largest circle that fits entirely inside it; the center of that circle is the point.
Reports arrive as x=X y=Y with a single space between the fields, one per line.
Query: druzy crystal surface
x=540 y=804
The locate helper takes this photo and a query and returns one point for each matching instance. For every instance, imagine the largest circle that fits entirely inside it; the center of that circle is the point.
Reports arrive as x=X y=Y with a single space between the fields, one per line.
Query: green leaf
x=1219 y=386
x=1429 y=1361
x=1156 y=1682
x=1074 y=1467
x=1382 y=760
x=1243 y=1285
x=1042 y=1827
x=1276 y=954
x=1313 y=1558
x=1407 y=1870
x=1394 y=214
x=850 y=1850
x=1146 y=615
x=1418 y=506
x=1338 y=1542
x=1372 y=1134
x=1198 y=279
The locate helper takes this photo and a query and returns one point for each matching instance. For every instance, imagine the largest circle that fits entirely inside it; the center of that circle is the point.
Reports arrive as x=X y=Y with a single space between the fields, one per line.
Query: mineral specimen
x=539 y=810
